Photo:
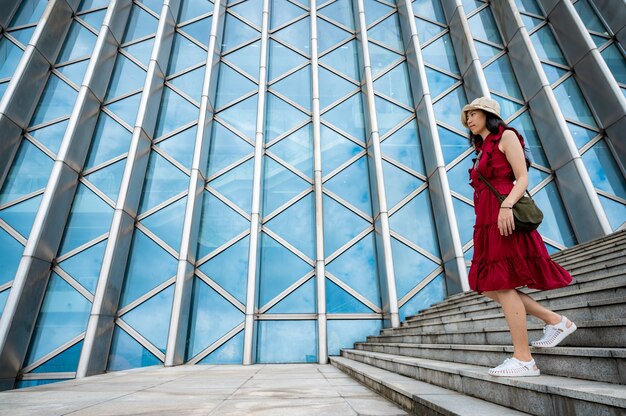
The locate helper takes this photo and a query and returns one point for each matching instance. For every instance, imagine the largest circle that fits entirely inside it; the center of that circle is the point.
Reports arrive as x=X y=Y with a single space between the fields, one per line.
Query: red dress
x=500 y=262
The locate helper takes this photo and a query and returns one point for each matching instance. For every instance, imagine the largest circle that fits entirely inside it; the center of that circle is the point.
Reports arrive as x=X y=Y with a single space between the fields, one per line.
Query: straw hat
x=481 y=103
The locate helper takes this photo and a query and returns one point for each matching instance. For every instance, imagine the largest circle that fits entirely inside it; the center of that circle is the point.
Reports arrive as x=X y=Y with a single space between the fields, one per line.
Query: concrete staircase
x=436 y=363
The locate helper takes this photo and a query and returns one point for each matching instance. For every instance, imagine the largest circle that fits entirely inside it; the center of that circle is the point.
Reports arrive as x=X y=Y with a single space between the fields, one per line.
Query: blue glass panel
x=581 y=135
x=193 y=8
x=282 y=59
x=140 y=24
x=332 y=87
x=174 y=112
x=484 y=51
x=127 y=353
x=381 y=58
x=236 y=185
x=110 y=140
x=389 y=115
x=181 y=146
x=524 y=125
x=184 y=54
x=357 y=268
x=3 y=299
x=546 y=47
x=410 y=267
x=141 y=51
x=501 y=78
x=67 y=361
x=398 y=183
x=599 y=40
x=431 y=10
x=425 y=29
x=78 y=43
x=149 y=317
x=63 y=316
x=297 y=87
x=51 y=136
x=29 y=172
x=213 y=230
x=395 y=84
x=236 y=32
x=229 y=269
x=452 y=144
x=434 y=292
x=90 y=217
x=589 y=17
x=280 y=268
x=126 y=77
x=616 y=62
x=84 y=267
x=75 y=72
x=469 y=254
x=352 y=185
x=471 y=5
x=297 y=150
x=555 y=224
x=231 y=352
x=344 y=59
x=459 y=178
x=336 y=149
x=3 y=88
x=465 y=219
x=154 y=5
x=603 y=170
x=297 y=225
x=340 y=11
x=483 y=26
x=280 y=117
x=529 y=6
x=375 y=10
x=340 y=225
x=615 y=211
x=440 y=53
x=93 y=4
x=94 y=19
x=126 y=109
x=10 y=256
x=190 y=83
x=283 y=11
x=247 y=59
x=551 y=249
x=225 y=148
x=30 y=11
x=448 y=108
x=297 y=35
x=572 y=103
x=21 y=216
x=242 y=116
x=287 y=342
x=329 y=35
x=23 y=35
x=57 y=100
x=200 y=30
x=167 y=223
x=10 y=55
x=438 y=82
x=535 y=177
x=212 y=317
x=530 y=22
x=404 y=146
x=388 y=32
x=301 y=300
x=344 y=333
x=415 y=221
x=279 y=186
x=252 y=10
x=139 y=278
x=340 y=301
x=507 y=107
x=348 y=116
x=162 y=182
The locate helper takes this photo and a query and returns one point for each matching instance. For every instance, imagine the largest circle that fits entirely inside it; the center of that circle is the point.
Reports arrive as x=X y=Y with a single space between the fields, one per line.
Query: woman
x=505 y=259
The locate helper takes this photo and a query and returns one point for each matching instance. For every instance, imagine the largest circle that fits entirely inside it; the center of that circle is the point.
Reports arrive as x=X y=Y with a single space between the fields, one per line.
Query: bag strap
x=496 y=193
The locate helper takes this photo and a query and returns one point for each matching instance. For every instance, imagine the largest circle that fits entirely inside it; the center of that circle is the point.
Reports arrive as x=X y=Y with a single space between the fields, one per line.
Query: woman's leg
x=515 y=314
x=536 y=309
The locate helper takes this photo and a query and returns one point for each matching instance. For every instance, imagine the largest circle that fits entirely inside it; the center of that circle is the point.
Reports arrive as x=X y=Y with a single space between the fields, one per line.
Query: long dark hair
x=493 y=124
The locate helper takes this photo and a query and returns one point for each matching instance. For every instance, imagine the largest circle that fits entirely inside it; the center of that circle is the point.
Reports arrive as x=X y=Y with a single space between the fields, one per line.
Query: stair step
x=592 y=256
x=418 y=397
x=590 y=247
x=609 y=334
x=543 y=395
x=598 y=364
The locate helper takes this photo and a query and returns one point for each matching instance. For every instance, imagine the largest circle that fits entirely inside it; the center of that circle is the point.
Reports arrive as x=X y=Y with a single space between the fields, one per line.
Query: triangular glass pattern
x=332 y=87
x=251 y=10
x=483 y=26
x=452 y=144
x=388 y=32
x=530 y=22
x=126 y=109
x=191 y=83
x=546 y=46
x=352 y=185
x=336 y=149
x=108 y=179
x=431 y=10
x=398 y=183
x=502 y=78
x=282 y=59
x=435 y=291
x=465 y=218
x=348 y=116
x=280 y=117
x=29 y=172
x=581 y=135
x=174 y=112
x=23 y=35
x=615 y=211
x=4 y=295
x=572 y=103
x=405 y=147
x=297 y=150
x=526 y=128
x=11 y=55
x=75 y=72
x=127 y=353
x=9 y=258
x=247 y=59
x=85 y=266
x=279 y=186
x=225 y=148
x=381 y=58
x=345 y=60
x=529 y=6
x=200 y=30
x=343 y=333
x=340 y=225
x=485 y=52
x=110 y=140
x=410 y=267
x=212 y=317
x=154 y=5
x=375 y=10
x=297 y=35
x=535 y=177
x=231 y=352
x=441 y=54
x=94 y=19
x=66 y=361
x=57 y=100
x=167 y=223
x=340 y=11
x=229 y=269
x=51 y=136
x=603 y=170
x=149 y=316
x=194 y=8
x=141 y=51
x=162 y=182
x=395 y=84
x=340 y=301
x=236 y=185
x=181 y=146
x=29 y=12
x=301 y=300
x=458 y=177
x=415 y=221
x=507 y=107
x=22 y=216
x=448 y=108
x=283 y=11
x=471 y=5
x=78 y=43
x=184 y=54
x=296 y=225
x=555 y=224
x=329 y=35
x=615 y=61
x=589 y=17
x=140 y=24
x=242 y=116
x=426 y=30
x=389 y=115
x=236 y=32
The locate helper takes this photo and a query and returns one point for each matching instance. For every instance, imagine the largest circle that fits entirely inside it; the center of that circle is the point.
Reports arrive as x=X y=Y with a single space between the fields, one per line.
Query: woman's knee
x=493 y=295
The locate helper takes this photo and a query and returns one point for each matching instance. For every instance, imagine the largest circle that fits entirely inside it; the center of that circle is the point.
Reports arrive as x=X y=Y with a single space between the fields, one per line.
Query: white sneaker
x=554 y=334
x=512 y=367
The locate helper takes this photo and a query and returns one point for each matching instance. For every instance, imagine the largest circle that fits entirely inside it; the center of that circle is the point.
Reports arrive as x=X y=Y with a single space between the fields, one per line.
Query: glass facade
x=263 y=181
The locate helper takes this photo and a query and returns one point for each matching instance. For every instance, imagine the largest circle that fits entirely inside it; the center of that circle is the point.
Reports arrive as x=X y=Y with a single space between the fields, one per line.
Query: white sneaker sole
x=527 y=374
x=556 y=341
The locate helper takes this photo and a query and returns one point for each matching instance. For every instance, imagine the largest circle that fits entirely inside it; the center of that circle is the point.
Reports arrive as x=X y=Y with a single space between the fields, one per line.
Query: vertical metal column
x=30 y=283
x=7 y=11
x=593 y=75
x=97 y=343
x=255 y=220
x=320 y=268
x=177 y=337
x=579 y=197
x=438 y=187
x=26 y=86
x=390 y=310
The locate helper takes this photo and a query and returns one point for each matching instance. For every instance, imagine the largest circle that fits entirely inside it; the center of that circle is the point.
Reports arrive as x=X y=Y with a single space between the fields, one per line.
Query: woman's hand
x=506 y=225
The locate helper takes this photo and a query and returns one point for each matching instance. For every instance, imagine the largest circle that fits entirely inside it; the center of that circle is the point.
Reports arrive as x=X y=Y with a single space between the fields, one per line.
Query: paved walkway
x=217 y=390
